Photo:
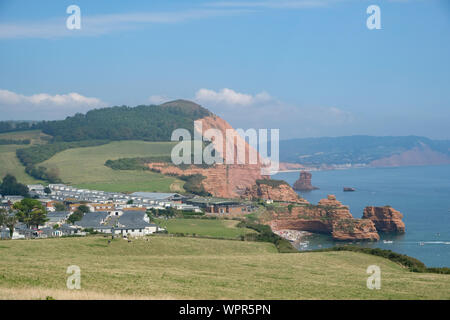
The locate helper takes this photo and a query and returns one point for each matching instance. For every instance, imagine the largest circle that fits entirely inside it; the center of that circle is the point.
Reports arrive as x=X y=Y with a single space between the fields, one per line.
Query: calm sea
x=421 y=194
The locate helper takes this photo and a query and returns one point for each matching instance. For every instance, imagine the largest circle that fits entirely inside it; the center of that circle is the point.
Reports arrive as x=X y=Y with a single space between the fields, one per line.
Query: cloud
x=44 y=106
x=105 y=23
x=229 y=97
x=244 y=110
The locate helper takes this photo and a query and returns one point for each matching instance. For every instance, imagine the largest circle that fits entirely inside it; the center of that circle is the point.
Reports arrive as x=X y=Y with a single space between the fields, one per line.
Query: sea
x=420 y=193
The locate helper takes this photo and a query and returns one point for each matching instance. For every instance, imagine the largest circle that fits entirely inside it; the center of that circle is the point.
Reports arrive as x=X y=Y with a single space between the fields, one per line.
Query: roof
x=133 y=219
x=92 y=219
x=155 y=195
x=212 y=201
x=57 y=216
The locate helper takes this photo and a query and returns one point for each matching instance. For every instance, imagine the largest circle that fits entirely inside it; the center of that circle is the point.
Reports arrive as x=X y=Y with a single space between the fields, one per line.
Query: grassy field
x=8 y=160
x=205 y=227
x=192 y=268
x=84 y=167
x=35 y=136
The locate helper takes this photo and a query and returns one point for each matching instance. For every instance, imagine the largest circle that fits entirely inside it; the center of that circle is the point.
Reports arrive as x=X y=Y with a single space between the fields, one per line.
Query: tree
x=84 y=208
x=130 y=201
x=47 y=190
x=31 y=212
x=76 y=216
x=60 y=206
x=2 y=216
x=8 y=221
x=11 y=187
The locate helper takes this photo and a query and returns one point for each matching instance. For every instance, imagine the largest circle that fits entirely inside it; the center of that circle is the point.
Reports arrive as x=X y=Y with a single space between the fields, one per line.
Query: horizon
x=315 y=137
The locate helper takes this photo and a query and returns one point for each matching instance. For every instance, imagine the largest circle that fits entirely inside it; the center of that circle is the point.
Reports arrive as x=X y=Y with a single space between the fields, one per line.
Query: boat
x=388 y=241
x=348 y=189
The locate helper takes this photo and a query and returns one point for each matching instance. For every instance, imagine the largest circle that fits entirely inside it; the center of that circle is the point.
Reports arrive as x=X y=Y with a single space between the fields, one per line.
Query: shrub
x=272 y=183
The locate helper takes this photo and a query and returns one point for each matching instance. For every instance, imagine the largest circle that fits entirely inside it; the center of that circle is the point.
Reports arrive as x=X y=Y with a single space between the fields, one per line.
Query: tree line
x=150 y=123
x=11 y=141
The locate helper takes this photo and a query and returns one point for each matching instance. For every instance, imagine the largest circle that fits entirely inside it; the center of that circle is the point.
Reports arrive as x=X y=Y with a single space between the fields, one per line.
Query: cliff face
x=224 y=181
x=386 y=219
x=304 y=182
x=354 y=229
x=272 y=190
x=221 y=180
x=330 y=216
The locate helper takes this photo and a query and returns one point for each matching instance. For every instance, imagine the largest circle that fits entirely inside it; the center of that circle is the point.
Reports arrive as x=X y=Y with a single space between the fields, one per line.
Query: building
x=57 y=217
x=220 y=206
x=133 y=223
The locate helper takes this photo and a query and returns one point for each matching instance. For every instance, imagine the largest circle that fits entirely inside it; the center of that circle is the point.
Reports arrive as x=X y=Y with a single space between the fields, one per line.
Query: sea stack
x=386 y=219
x=304 y=182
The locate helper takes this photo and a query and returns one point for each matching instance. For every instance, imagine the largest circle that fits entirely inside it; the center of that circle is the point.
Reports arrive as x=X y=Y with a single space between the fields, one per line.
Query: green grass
x=84 y=167
x=8 y=160
x=205 y=227
x=194 y=268
x=35 y=136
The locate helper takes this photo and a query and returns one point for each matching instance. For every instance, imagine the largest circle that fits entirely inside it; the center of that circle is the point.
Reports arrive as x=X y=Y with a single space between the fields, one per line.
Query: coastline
x=420 y=193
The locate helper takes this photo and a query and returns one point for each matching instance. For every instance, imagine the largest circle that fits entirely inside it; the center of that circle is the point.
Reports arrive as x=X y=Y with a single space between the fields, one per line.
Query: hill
x=366 y=150
x=85 y=167
x=150 y=123
x=9 y=163
x=194 y=268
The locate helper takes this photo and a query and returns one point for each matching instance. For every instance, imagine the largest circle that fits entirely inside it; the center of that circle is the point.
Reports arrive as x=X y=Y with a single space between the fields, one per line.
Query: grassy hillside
x=35 y=136
x=8 y=160
x=167 y=267
x=205 y=227
x=84 y=167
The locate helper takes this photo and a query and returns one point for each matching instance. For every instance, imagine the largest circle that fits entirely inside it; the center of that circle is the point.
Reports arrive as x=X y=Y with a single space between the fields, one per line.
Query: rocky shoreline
x=292 y=235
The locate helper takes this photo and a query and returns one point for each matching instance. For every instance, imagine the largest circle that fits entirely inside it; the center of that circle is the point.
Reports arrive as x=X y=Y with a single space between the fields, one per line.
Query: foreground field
x=205 y=227
x=190 y=268
x=84 y=167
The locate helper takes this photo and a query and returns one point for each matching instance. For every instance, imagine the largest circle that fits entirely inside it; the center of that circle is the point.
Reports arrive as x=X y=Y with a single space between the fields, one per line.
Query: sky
x=310 y=68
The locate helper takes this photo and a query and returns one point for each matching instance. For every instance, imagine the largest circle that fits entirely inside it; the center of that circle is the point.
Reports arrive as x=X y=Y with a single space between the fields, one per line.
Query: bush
x=265 y=234
x=194 y=185
x=10 y=141
x=272 y=183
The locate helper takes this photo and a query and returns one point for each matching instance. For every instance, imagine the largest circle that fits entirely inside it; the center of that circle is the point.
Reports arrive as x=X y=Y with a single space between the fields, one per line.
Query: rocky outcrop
x=225 y=181
x=386 y=219
x=221 y=180
x=354 y=229
x=304 y=182
x=329 y=216
x=276 y=190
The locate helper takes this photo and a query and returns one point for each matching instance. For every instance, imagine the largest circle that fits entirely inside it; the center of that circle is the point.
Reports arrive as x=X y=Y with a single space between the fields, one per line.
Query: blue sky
x=310 y=68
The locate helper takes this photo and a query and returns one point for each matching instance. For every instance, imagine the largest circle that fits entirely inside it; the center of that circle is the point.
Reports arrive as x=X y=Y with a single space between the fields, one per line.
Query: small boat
x=388 y=241
x=421 y=243
x=348 y=189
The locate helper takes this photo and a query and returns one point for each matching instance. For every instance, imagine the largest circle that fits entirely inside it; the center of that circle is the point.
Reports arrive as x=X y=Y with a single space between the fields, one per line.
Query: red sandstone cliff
x=330 y=216
x=304 y=182
x=275 y=190
x=221 y=180
x=225 y=181
x=386 y=219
